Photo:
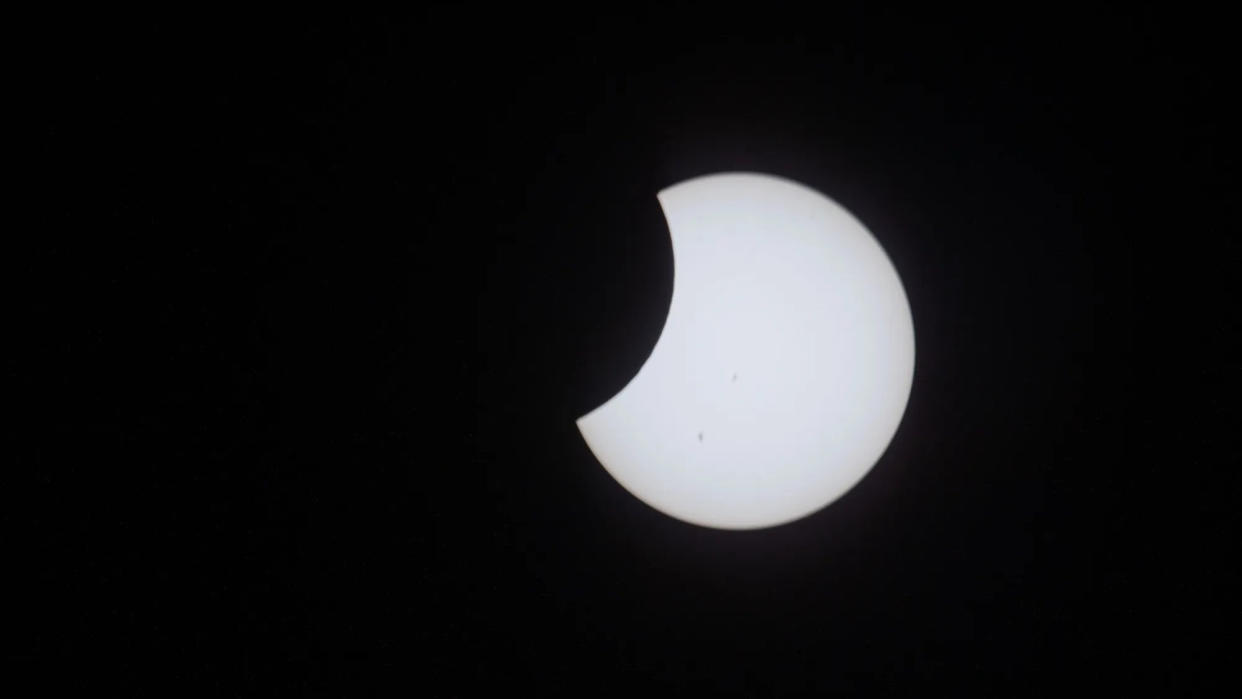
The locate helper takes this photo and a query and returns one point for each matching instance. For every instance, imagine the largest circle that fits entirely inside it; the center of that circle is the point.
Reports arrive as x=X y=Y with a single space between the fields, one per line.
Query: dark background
x=315 y=302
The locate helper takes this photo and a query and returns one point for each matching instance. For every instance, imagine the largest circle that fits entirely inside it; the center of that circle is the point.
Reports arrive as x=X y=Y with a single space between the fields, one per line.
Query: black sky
x=318 y=299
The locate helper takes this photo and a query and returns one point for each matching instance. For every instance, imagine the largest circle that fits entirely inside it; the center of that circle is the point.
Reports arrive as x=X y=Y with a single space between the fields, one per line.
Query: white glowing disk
x=784 y=366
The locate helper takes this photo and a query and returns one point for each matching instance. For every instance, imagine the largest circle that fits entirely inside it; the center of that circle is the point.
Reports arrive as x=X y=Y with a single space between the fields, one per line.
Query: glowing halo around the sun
x=784 y=366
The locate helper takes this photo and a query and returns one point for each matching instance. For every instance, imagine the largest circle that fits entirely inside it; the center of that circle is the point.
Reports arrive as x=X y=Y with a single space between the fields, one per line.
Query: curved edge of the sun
x=586 y=417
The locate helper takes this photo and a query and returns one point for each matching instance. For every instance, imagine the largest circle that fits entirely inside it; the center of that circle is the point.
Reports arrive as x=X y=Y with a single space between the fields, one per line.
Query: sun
x=784 y=366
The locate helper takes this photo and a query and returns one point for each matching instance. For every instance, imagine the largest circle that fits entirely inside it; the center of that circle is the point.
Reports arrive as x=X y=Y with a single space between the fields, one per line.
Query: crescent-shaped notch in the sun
x=784 y=366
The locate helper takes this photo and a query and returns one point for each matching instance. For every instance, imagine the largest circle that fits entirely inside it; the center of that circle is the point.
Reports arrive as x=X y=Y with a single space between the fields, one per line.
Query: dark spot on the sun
x=735 y=377
x=700 y=436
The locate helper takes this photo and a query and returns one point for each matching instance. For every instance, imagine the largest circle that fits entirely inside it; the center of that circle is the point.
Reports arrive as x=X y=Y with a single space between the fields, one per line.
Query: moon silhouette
x=784 y=366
